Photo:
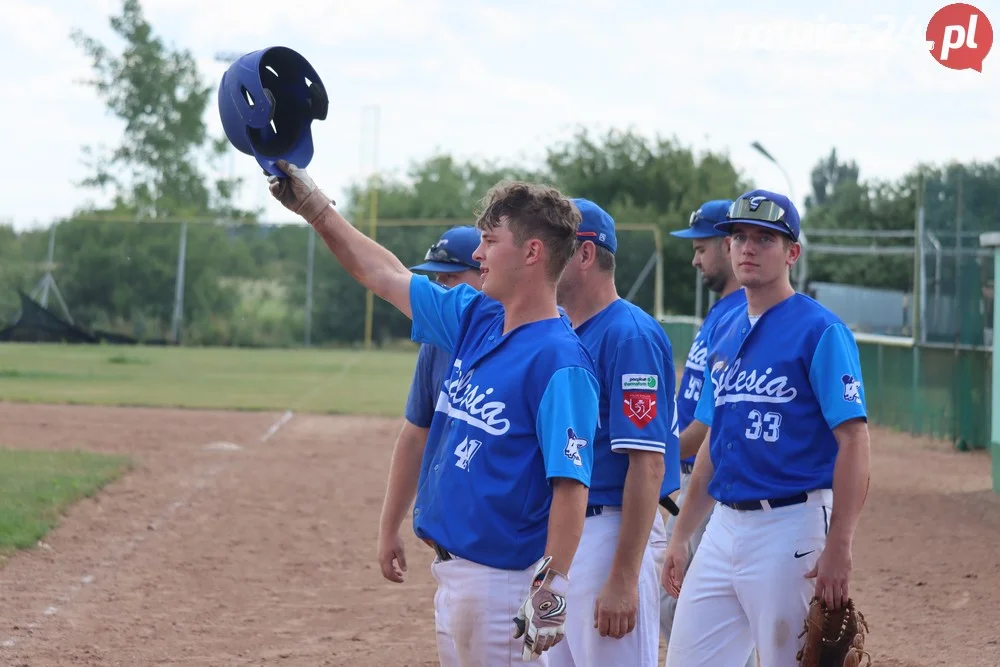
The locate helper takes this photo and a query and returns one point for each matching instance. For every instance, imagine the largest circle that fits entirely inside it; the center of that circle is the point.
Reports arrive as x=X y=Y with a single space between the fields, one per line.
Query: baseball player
x=711 y=257
x=450 y=261
x=504 y=499
x=614 y=602
x=787 y=459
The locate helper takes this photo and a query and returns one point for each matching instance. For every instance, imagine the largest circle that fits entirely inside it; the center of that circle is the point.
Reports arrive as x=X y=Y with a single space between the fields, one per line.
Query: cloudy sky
x=503 y=80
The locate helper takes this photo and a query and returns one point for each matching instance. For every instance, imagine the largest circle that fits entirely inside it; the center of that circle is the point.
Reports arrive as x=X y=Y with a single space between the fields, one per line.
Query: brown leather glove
x=834 y=637
x=298 y=192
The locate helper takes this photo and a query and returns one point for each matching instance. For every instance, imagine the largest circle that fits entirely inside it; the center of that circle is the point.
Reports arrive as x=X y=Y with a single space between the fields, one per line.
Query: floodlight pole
x=804 y=270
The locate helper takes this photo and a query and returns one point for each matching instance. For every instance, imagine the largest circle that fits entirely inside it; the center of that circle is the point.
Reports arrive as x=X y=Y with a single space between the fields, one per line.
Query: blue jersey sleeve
x=423 y=394
x=706 y=402
x=437 y=311
x=566 y=423
x=642 y=407
x=835 y=376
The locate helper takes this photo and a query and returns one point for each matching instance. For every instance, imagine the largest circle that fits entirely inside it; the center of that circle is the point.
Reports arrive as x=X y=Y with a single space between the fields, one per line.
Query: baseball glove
x=834 y=637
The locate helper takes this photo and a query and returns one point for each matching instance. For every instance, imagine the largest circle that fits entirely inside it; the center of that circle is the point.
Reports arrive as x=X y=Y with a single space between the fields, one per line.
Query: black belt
x=748 y=505
x=594 y=510
x=687 y=468
x=441 y=552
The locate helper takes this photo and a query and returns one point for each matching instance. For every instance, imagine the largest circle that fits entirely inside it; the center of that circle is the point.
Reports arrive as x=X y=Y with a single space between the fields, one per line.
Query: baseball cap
x=597 y=225
x=452 y=253
x=763 y=208
x=701 y=224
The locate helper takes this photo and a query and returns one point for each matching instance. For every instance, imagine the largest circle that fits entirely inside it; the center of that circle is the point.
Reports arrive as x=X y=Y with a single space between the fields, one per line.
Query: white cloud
x=490 y=80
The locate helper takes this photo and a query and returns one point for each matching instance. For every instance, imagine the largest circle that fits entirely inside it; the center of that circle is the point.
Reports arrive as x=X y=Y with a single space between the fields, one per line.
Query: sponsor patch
x=634 y=382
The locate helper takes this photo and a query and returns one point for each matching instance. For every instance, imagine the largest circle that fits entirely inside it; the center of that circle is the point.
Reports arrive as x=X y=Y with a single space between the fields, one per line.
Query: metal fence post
x=310 y=255
x=992 y=240
x=179 y=287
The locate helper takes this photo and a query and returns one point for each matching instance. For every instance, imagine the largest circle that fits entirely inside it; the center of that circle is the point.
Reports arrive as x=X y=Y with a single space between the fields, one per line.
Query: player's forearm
x=691 y=438
x=404 y=472
x=850 y=481
x=369 y=263
x=566 y=516
x=640 y=496
x=697 y=502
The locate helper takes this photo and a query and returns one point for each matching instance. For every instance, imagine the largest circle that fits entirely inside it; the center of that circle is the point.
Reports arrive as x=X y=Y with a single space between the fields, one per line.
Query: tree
x=830 y=176
x=636 y=179
x=159 y=95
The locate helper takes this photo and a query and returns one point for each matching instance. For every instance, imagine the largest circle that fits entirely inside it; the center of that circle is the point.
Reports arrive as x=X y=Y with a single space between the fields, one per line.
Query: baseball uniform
x=780 y=384
x=517 y=410
x=701 y=225
x=451 y=253
x=634 y=362
x=428 y=377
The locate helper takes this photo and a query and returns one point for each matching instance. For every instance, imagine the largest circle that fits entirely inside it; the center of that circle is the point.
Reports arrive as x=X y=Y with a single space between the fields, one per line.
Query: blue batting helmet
x=267 y=102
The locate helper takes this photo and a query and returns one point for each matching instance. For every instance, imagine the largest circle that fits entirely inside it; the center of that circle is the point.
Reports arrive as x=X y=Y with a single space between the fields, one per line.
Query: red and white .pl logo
x=639 y=406
x=959 y=36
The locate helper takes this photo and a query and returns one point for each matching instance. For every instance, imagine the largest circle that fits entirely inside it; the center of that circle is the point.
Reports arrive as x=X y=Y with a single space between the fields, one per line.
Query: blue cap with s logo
x=763 y=209
x=452 y=253
x=701 y=224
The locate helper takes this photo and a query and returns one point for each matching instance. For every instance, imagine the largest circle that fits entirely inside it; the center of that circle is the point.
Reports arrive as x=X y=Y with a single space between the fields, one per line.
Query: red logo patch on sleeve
x=639 y=407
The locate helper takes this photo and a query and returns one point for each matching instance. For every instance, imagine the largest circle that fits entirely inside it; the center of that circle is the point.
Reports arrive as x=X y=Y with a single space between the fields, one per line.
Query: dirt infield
x=207 y=554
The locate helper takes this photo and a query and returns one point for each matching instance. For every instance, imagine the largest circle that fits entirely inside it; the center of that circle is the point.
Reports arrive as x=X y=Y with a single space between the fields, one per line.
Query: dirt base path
x=249 y=539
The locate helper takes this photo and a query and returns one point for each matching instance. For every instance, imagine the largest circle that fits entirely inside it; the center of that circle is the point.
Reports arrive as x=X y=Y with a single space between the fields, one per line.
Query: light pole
x=802 y=264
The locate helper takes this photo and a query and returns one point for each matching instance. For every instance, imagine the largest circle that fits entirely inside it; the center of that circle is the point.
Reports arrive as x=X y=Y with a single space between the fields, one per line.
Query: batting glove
x=298 y=192
x=541 y=620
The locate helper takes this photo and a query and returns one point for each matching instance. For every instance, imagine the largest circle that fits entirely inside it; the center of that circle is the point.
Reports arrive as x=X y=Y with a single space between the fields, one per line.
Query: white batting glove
x=298 y=192
x=542 y=617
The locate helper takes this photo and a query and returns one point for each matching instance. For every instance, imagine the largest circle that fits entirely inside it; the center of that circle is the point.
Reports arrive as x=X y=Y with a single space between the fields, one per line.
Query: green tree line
x=245 y=282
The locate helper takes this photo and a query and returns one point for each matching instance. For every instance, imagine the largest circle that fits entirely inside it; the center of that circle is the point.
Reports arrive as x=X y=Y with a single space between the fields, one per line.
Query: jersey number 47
x=465 y=451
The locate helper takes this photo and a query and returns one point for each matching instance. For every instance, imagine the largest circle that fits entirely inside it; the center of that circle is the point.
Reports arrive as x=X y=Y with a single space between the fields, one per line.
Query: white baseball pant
x=583 y=645
x=668 y=603
x=746 y=585
x=474 y=607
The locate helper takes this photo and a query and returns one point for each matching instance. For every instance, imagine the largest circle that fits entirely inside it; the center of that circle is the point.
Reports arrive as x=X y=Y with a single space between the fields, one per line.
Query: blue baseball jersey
x=428 y=377
x=635 y=367
x=689 y=390
x=515 y=411
x=433 y=364
x=779 y=388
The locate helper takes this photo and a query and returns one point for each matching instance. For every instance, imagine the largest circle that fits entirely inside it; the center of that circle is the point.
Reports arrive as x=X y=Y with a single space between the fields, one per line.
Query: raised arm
x=372 y=265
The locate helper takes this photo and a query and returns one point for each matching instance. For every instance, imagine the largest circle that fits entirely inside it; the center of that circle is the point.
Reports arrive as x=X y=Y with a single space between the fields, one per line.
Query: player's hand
x=391 y=559
x=298 y=192
x=541 y=620
x=832 y=573
x=617 y=607
x=675 y=565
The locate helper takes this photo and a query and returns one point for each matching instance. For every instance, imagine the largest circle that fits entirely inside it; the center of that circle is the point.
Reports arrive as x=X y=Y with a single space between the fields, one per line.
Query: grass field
x=325 y=381
x=37 y=486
